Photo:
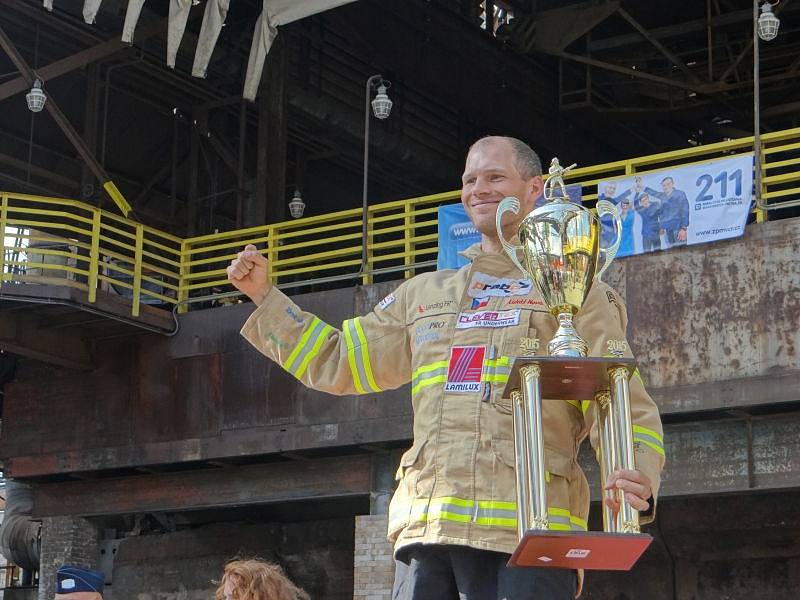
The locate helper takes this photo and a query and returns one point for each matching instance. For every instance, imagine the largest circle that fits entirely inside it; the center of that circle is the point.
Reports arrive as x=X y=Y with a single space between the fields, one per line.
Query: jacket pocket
x=558 y=473
x=404 y=501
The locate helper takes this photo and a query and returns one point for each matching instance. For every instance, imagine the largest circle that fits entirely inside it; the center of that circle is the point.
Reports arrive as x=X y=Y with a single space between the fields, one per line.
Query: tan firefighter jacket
x=450 y=334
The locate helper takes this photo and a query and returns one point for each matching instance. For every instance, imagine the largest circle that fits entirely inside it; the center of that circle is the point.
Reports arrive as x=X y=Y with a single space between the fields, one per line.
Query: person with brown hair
x=254 y=579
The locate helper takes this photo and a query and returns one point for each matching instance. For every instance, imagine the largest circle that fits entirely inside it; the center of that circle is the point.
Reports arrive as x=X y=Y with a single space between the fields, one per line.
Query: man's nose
x=481 y=187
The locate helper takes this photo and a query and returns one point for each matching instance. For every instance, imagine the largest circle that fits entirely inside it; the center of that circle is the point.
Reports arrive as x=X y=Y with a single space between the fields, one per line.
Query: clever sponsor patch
x=488 y=318
x=465 y=369
x=483 y=285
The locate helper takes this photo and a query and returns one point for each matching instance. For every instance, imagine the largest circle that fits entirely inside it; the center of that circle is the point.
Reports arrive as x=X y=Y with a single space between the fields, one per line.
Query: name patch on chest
x=488 y=318
x=465 y=369
x=483 y=285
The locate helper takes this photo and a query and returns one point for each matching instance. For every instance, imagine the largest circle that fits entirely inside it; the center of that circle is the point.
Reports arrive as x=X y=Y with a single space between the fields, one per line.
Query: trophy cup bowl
x=560 y=244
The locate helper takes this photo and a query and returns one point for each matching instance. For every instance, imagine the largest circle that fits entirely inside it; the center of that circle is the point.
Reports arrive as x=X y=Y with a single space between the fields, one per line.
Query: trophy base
x=592 y=550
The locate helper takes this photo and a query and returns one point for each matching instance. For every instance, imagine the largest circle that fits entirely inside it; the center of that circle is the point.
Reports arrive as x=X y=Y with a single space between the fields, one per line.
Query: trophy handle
x=508 y=203
x=604 y=207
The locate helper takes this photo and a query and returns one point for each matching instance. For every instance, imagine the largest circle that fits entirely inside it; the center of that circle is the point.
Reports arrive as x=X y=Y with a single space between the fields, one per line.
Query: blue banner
x=457 y=233
x=680 y=206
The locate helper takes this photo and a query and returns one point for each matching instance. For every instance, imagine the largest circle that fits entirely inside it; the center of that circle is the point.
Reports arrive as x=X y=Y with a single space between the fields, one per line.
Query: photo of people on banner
x=680 y=206
x=457 y=233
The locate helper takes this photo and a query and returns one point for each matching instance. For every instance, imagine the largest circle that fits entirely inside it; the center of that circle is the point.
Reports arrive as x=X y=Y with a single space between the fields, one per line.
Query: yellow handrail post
x=94 y=255
x=137 y=270
x=272 y=252
x=183 y=282
x=408 y=235
x=3 y=217
x=366 y=279
x=761 y=214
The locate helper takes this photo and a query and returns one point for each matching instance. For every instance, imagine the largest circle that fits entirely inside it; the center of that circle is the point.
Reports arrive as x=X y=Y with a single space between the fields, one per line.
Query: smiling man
x=452 y=518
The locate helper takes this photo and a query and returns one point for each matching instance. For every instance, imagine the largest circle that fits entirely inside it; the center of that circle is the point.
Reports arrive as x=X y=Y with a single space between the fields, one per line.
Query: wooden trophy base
x=592 y=550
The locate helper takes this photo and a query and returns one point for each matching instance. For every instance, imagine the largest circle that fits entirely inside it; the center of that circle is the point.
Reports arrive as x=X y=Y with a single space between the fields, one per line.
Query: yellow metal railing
x=65 y=242
x=54 y=241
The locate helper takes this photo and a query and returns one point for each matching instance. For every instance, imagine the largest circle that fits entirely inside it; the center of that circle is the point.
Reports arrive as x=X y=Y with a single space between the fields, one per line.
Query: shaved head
x=525 y=159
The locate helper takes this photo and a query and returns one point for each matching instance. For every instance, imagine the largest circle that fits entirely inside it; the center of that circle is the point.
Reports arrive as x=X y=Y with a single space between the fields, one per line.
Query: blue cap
x=77 y=579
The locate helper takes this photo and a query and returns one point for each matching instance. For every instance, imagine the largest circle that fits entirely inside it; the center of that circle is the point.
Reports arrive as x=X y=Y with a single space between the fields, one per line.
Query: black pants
x=439 y=572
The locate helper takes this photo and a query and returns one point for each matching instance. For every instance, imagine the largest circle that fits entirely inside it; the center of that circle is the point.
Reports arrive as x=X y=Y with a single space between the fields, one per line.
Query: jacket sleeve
x=368 y=354
x=606 y=320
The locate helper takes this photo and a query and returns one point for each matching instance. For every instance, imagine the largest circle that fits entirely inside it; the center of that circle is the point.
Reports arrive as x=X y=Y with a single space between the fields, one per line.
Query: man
x=649 y=211
x=77 y=583
x=606 y=222
x=674 y=216
x=453 y=516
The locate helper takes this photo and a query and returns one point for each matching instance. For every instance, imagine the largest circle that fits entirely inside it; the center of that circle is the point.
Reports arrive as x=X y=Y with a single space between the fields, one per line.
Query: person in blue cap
x=77 y=583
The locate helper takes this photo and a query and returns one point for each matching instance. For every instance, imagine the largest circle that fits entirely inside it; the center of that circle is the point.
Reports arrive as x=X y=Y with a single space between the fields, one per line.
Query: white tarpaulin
x=131 y=18
x=178 y=15
x=273 y=14
x=213 y=19
x=90 y=8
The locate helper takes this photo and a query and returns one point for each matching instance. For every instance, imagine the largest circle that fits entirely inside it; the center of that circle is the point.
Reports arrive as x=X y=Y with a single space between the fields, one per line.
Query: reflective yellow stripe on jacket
x=358 y=357
x=307 y=348
x=649 y=438
x=487 y=513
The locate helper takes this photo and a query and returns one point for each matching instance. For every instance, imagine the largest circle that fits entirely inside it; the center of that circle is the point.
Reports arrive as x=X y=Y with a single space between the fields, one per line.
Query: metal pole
x=756 y=107
x=364 y=205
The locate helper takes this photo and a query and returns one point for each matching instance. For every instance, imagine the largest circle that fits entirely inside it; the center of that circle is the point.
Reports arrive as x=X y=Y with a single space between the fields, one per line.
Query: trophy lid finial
x=556 y=180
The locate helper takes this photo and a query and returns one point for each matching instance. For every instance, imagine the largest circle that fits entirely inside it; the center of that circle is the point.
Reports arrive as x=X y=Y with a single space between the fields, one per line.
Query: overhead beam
x=624 y=70
x=21 y=334
x=66 y=127
x=747 y=47
x=667 y=31
x=344 y=476
x=675 y=60
x=79 y=59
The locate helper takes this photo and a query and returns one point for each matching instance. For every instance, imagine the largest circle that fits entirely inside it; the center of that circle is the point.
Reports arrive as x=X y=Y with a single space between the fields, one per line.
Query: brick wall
x=373 y=564
x=65 y=540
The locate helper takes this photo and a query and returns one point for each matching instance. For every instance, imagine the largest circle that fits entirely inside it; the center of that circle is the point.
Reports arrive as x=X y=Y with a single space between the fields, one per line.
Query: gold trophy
x=560 y=243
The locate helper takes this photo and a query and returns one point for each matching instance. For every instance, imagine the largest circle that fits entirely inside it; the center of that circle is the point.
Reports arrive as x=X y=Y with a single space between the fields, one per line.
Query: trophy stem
x=532 y=409
x=628 y=517
x=567 y=342
x=521 y=452
x=608 y=454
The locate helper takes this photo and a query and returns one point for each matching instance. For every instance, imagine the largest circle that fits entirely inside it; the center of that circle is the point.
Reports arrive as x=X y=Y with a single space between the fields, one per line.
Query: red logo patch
x=465 y=369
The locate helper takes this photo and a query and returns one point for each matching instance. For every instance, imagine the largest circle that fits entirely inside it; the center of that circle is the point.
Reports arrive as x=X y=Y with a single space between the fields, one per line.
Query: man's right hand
x=248 y=274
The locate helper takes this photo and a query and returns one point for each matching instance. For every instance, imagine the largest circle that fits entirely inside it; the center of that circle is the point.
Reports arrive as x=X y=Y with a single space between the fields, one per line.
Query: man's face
x=79 y=596
x=490 y=174
x=611 y=189
x=667 y=186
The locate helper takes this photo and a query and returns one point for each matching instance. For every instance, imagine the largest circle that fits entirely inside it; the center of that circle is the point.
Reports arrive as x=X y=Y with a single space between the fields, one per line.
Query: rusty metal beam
x=675 y=60
x=20 y=334
x=79 y=59
x=65 y=125
x=337 y=477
